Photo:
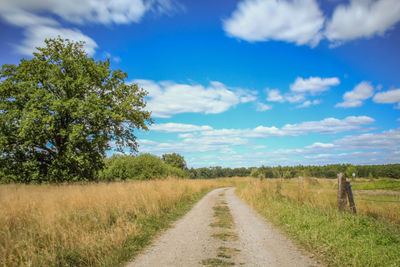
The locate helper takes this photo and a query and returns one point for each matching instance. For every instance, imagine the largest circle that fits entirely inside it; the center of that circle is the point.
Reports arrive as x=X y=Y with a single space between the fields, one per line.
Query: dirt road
x=221 y=230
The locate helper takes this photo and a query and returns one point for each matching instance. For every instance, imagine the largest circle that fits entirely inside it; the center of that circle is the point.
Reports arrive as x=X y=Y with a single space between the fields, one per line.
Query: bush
x=141 y=167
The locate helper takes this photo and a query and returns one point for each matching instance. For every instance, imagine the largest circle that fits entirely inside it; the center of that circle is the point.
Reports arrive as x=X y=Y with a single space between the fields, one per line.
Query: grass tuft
x=215 y=262
x=225 y=236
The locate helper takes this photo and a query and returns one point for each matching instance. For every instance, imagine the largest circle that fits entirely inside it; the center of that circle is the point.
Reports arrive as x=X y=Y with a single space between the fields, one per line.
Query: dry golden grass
x=323 y=193
x=81 y=225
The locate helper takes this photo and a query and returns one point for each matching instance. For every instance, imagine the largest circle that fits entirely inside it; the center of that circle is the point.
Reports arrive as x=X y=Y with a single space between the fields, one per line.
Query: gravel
x=190 y=240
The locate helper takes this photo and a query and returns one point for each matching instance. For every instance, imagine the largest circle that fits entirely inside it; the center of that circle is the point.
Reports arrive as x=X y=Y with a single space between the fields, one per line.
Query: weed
x=225 y=236
x=215 y=262
x=223 y=217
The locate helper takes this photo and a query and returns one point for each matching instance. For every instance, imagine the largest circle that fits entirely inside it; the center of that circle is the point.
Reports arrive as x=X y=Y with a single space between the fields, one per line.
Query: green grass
x=226 y=252
x=214 y=262
x=337 y=238
x=223 y=217
x=225 y=236
x=379 y=184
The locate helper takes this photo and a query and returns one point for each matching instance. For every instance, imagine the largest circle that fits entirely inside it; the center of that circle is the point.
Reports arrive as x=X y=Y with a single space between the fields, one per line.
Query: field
x=310 y=217
x=102 y=224
x=107 y=224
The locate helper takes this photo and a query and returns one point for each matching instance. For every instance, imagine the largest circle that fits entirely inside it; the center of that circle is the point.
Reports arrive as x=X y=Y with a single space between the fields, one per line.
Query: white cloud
x=81 y=11
x=37 y=26
x=298 y=21
x=294 y=97
x=313 y=85
x=308 y=103
x=328 y=125
x=191 y=145
x=263 y=107
x=178 y=127
x=35 y=37
x=388 y=97
x=299 y=90
x=320 y=145
x=362 y=18
x=387 y=140
x=274 y=96
x=355 y=98
x=302 y=22
x=169 y=98
x=325 y=126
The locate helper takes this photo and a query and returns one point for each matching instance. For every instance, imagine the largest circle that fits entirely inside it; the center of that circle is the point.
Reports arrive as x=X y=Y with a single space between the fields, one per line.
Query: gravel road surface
x=190 y=241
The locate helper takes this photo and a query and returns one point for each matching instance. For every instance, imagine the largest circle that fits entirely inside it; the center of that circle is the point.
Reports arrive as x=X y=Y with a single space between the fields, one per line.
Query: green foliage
x=216 y=172
x=59 y=112
x=175 y=160
x=327 y=171
x=141 y=167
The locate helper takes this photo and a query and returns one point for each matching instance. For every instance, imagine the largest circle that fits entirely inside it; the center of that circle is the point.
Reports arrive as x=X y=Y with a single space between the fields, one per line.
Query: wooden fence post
x=342 y=192
x=351 y=199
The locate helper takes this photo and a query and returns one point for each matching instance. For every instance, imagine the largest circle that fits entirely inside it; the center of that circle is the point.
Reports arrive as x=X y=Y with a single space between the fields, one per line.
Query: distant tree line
x=326 y=171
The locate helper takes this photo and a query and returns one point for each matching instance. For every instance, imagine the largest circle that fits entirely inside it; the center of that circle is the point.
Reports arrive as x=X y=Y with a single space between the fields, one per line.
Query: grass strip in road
x=226 y=236
x=226 y=252
x=337 y=238
x=223 y=217
x=215 y=262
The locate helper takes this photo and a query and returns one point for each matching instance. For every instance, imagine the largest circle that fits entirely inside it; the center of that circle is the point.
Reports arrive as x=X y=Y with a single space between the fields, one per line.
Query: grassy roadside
x=337 y=238
x=90 y=225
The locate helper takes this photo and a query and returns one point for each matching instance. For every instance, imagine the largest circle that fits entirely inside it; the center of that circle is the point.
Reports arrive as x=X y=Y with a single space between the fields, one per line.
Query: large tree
x=60 y=111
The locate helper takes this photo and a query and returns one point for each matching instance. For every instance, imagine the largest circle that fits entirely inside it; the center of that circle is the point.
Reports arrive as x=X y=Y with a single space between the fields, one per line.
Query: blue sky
x=241 y=83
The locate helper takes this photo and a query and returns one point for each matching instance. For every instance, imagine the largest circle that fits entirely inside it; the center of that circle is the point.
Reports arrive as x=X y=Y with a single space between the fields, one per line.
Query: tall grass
x=323 y=193
x=313 y=221
x=101 y=224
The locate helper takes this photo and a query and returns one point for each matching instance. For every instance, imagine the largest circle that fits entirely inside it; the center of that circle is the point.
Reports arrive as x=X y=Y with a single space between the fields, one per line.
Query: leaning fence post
x=351 y=199
x=342 y=201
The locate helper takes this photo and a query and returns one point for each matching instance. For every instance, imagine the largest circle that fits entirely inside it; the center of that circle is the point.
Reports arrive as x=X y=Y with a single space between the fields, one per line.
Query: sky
x=240 y=83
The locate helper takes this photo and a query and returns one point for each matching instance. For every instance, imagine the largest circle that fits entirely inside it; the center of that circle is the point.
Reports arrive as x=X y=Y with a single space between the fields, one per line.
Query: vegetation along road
x=221 y=230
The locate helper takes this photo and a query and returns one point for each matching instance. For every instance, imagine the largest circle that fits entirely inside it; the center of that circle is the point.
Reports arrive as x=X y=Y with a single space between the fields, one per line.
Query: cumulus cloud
x=263 y=107
x=35 y=37
x=386 y=140
x=388 y=97
x=37 y=26
x=313 y=85
x=362 y=18
x=274 y=95
x=355 y=98
x=178 y=127
x=168 y=98
x=298 y=21
x=302 y=21
x=309 y=103
x=325 y=126
x=300 y=89
x=81 y=11
x=191 y=145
